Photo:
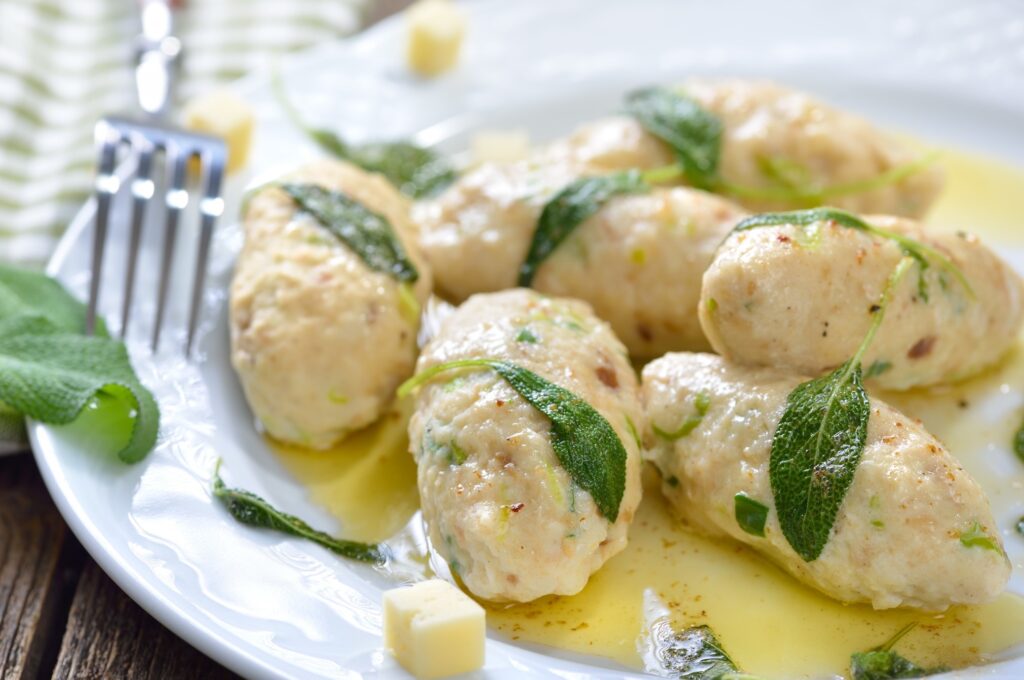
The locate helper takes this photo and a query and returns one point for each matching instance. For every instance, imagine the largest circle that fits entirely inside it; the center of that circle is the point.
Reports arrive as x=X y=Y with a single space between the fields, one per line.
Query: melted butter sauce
x=771 y=624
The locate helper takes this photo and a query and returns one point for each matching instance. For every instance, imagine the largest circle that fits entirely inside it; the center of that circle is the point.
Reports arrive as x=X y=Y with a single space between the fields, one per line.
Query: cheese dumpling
x=913 y=529
x=320 y=341
x=500 y=507
x=802 y=297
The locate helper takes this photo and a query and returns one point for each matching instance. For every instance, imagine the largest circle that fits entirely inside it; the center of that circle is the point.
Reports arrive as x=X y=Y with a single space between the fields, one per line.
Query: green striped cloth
x=65 y=63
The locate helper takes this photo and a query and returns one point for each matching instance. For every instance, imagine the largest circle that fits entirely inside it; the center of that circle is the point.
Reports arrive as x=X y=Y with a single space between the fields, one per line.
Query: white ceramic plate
x=268 y=606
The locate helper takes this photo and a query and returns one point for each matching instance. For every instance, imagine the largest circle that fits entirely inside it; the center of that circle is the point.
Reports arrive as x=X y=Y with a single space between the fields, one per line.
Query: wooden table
x=60 y=615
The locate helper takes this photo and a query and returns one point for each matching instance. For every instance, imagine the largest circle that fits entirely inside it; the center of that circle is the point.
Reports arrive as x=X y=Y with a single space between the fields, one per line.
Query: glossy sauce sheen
x=770 y=624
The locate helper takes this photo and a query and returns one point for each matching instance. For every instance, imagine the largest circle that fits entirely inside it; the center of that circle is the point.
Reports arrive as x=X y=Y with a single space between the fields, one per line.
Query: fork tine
x=142 y=192
x=107 y=185
x=210 y=208
x=176 y=201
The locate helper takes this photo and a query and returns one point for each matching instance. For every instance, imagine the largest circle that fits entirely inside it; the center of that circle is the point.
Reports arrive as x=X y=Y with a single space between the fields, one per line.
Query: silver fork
x=145 y=139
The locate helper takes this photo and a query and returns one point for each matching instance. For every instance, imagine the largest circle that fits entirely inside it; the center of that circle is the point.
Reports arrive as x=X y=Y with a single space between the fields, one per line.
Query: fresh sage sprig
x=414 y=170
x=881 y=663
x=818 y=444
x=370 y=235
x=695 y=135
x=923 y=254
x=248 y=508
x=583 y=440
x=569 y=208
x=52 y=373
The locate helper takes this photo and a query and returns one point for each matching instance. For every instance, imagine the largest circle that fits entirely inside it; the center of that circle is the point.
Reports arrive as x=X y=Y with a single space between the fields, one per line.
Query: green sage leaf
x=584 y=442
x=694 y=134
x=568 y=209
x=51 y=375
x=415 y=171
x=815 y=451
x=1018 y=443
x=881 y=663
x=368 y=234
x=818 y=443
x=248 y=508
x=691 y=654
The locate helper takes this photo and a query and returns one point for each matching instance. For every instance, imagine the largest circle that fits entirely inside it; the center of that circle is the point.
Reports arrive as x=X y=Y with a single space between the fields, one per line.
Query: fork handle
x=157 y=52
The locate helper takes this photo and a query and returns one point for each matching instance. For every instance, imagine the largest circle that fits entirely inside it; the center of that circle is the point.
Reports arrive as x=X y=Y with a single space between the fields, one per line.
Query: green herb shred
x=568 y=209
x=369 y=235
x=882 y=663
x=584 y=442
x=751 y=515
x=248 y=508
x=818 y=444
x=701 y=402
x=877 y=368
x=975 y=537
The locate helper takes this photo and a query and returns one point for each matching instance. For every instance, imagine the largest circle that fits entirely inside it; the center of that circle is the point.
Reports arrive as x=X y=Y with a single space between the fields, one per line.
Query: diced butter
x=434 y=629
x=223 y=114
x=500 y=146
x=436 y=28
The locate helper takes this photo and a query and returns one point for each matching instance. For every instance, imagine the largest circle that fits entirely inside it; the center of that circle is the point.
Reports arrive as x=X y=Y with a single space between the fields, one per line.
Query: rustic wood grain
x=37 y=573
x=109 y=636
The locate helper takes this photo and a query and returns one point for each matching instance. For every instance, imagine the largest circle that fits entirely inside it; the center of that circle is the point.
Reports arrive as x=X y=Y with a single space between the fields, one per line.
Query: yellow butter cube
x=223 y=114
x=434 y=629
x=500 y=146
x=436 y=28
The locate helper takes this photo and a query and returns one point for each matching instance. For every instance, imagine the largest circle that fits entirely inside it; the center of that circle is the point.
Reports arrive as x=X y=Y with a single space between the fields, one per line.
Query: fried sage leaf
x=881 y=663
x=568 y=209
x=693 y=133
x=818 y=444
x=584 y=442
x=368 y=234
x=248 y=508
x=415 y=171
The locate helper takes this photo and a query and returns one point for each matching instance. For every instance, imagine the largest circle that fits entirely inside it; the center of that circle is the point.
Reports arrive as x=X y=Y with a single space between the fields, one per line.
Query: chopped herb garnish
x=568 y=209
x=701 y=402
x=1018 y=443
x=369 y=235
x=526 y=335
x=415 y=171
x=634 y=433
x=975 y=537
x=248 y=508
x=877 y=368
x=1020 y=526
x=881 y=663
x=584 y=442
x=818 y=443
x=751 y=515
x=52 y=373
x=923 y=254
